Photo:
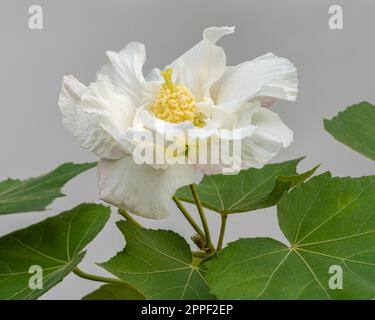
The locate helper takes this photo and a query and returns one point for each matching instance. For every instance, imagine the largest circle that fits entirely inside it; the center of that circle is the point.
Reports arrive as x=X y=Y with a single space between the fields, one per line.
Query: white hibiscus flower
x=196 y=92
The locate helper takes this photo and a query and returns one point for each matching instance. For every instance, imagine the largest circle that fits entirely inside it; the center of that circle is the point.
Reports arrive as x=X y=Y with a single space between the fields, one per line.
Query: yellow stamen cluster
x=175 y=103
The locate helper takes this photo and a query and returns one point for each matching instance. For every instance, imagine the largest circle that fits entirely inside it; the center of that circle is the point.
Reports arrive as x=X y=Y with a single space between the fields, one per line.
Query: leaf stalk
x=202 y=216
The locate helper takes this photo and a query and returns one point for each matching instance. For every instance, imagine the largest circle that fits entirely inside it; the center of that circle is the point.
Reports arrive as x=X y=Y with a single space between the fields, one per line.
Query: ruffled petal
x=257 y=136
x=248 y=148
x=214 y=34
x=202 y=65
x=145 y=119
x=155 y=75
x=84 y=125
x=270 y=122
x=141 y=189
x=124 y=69
x=112 y=108
x=263 y=79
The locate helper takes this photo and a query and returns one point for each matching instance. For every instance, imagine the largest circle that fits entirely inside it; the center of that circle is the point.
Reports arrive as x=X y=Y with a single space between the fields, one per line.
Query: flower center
x=175 y=103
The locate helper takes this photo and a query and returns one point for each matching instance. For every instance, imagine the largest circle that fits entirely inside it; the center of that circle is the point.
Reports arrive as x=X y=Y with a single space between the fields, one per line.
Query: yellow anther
x=176 y=103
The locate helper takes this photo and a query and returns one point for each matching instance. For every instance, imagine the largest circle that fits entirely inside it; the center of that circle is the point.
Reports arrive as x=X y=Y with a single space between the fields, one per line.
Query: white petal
x=256 y=149
x=159 y=136
x=270 y=122
x=141 y=189
x=83 y=125
x=264 y=79
x=145 y=119
x=214 y=34
x=155 y=75
x=260 y=131
x=202 y=65
x=124 y=69
x=113 y=109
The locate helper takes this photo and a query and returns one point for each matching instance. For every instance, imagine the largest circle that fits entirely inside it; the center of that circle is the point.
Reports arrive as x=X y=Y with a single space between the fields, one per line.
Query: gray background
x=336 y=69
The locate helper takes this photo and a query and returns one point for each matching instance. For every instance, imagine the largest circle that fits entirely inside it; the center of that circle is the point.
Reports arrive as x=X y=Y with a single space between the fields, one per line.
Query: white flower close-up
x=197 y=94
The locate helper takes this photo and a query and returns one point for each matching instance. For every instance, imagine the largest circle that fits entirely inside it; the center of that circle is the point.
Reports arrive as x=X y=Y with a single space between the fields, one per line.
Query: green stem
x=127 y=216
x=203 y=217
x=222 y=232
x=200 y=254
x=188 y=217
x=93 y=277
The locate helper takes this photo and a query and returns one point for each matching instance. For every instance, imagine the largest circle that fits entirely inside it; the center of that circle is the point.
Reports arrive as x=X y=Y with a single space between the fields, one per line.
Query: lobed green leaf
x=35 y=194
x=159 y=264
x=355 y=128
x=55 y=244
x=249 y=190
x=329 y=222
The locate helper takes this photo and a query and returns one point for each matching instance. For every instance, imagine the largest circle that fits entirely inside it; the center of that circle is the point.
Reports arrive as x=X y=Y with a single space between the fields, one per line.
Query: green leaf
x=355 y=128
x=328 y=222
x=282 y=185
x=35 y=194
x=114 y=292
x=249 y=190
x=54 y=244
x=159 y=264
